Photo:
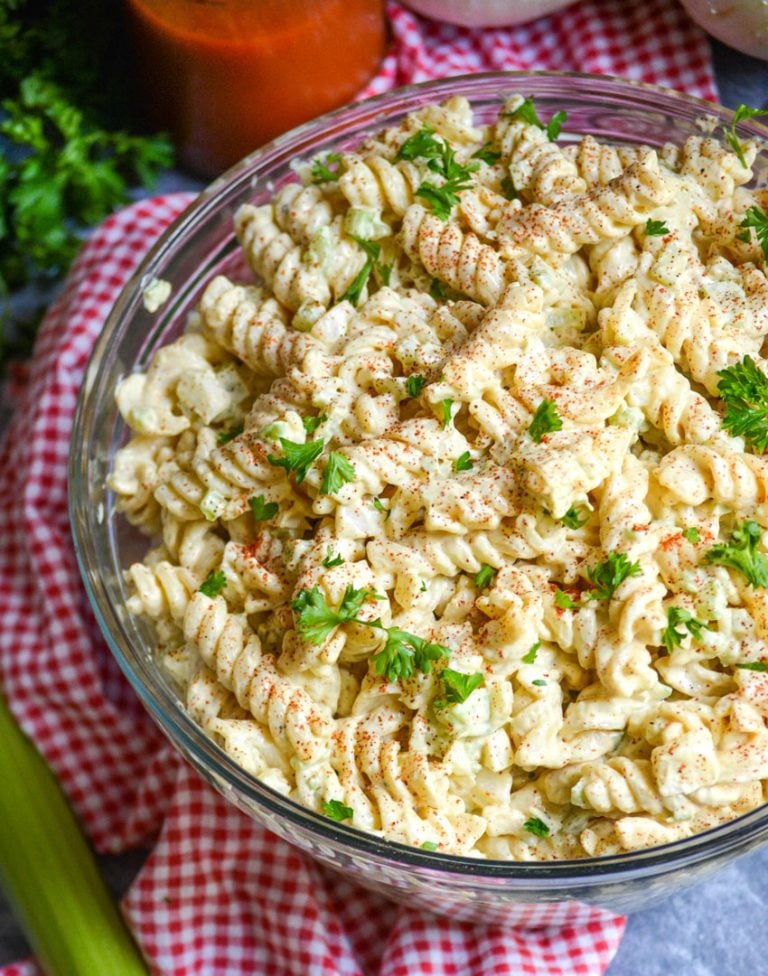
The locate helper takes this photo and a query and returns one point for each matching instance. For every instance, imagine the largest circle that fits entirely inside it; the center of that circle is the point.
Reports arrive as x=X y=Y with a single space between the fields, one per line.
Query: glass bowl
x=201 y=244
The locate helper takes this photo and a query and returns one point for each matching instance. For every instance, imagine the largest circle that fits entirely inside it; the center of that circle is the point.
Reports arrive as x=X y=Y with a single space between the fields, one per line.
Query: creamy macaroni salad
x=460 y=511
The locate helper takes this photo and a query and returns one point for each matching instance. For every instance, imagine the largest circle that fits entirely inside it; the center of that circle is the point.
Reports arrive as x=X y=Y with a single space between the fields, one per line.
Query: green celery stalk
x=48 y=871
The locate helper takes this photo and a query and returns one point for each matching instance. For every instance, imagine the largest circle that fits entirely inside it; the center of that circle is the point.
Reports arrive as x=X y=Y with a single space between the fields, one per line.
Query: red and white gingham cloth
x=219 y=895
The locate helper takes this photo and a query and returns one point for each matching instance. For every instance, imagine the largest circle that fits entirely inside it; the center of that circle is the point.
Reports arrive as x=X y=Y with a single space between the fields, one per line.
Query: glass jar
x=225 y=76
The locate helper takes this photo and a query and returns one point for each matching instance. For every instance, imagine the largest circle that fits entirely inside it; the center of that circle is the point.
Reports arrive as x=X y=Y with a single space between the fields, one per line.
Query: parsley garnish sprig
x=261 y=509
x=214 y=583
x=536 y=826
x=757 y=220
x=321 y=170
x=656 y=228
x=545 y=420
x=298 y=458
x=441 y=157
x=742 y=553
x=402 y=652
x=575 y=517
x=457 y=687
x=526 y=111
x=742 y=112
x=315 y=619
x=338 y=471
x=372 y=254
x=337 y=810
x=608 y=576
x=332 y=559
x=225 y=436
x=487 y=154
x=672 y=637
x=743 y=389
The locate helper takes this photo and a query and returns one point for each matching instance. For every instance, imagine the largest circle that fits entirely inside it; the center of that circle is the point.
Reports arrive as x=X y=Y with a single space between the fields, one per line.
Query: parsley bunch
x=67 y=158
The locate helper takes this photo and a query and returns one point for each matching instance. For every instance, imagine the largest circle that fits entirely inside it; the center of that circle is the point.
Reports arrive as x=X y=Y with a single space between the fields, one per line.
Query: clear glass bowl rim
x=737 y=835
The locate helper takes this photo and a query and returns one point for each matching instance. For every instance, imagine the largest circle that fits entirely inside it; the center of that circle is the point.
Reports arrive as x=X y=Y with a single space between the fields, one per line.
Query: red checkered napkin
x=653 y=41
x=219 y=896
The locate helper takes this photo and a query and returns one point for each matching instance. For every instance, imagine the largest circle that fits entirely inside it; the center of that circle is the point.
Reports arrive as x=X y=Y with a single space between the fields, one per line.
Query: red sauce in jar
x=226 y=76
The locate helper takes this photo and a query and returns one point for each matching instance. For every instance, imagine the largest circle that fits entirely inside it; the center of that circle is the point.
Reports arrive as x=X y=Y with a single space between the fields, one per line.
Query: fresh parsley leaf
x=563 y=601
x=214 y=583
x=457 y=687
x=262 y=510
x=381 y=507
x=530 y=657
x=608 y=575
x=742 y=112
x=225 y=436
x=691 y=534
x=574 y=518
x=446 y=406
x=447 y=166
x=540 y=682
x=315 y=619
x=430 y=845
x=311 y=424
x=321 y=171
x=555 y=125
x=372 y=254
x=298 y=457
x=338 y=471
x=437 y=290
x=487 y=154
x=508 y=188
x=423 y=587
x=337 y=810
x=421 y=145
x=743 y=389
x=675 y=616
x=330 y=560
x=536 y=826
x=742 y=553
x=442 y=293
x=526 y=111
x=442 y=160
x=656 y=228
x=442 y=199
x=484 y=576
x=753 y=666
x=355 y=290
x=415 y=384
x=403 y=651
x=757 y=219
x=545 y=420
x=463 y=462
